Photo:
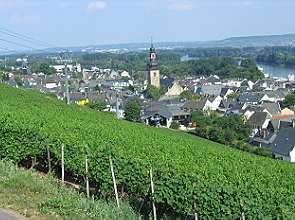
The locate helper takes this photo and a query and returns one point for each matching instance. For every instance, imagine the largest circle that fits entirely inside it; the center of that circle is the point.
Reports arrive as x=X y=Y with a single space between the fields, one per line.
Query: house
x=282 y=145
x=200 y=105
x=249 y=110
x=113 y=74
x=286 y=112
x=117 y=83
x=124 y=74
x=80 y=99
x=250 y=84
x=259 y=122
x=211 y=90
x=273 y=109
x=70 y=67
x=235 y=109
x=249 y=98
x=212 y=80
x=166 y=82
x=274 y=96
x=214 y=102
x=174 y=90
x=225 y=92
x=160 y=115
x=233 y=83
x=263 y=84
x=225 y=105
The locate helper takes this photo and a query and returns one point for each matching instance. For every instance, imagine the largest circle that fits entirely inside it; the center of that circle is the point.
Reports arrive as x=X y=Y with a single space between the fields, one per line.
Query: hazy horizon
x=104 y=22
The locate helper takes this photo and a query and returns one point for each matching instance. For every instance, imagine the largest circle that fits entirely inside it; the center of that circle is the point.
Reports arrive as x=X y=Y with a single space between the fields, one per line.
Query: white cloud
x=96 y=5
x=180 y=5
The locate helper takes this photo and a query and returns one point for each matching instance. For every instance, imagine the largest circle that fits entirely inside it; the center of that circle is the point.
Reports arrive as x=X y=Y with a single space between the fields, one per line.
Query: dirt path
x=8 y=215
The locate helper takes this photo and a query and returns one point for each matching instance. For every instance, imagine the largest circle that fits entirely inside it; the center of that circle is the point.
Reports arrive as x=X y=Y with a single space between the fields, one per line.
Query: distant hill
x=259 y=41
x=249 y=41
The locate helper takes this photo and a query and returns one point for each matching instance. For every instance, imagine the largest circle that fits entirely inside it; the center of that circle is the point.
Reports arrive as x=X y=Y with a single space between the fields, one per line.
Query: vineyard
x=220 y=180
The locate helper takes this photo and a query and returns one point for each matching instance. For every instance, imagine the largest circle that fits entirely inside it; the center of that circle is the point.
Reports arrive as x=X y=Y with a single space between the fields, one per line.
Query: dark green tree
x=42 y=68
x=153 y=93
x=175 y=125
x=188 y=95
x=132 y=111
x=289 y=100
x=99 y=105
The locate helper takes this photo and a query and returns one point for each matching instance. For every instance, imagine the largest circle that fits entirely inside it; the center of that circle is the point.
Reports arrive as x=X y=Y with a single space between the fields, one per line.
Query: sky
x=88 y=22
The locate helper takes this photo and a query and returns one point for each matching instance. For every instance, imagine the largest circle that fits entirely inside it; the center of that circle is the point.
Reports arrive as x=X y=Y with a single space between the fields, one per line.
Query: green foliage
x=98 y=105
x=233 y=96
x=97 y=88
x=284 y=56
x=131 y=88
x=18 y=80
x=221 y=129
x=189 y=95
x=153 y=93
x=31 y=194
x=174 y=125
x=42 y=68
x=184 y=166
x=289 y=100
x=220 y=61
x=132 y=111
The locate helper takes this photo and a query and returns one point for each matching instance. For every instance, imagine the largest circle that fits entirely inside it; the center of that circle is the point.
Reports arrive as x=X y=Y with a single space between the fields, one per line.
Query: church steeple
x=153 y=57
x=154 y=72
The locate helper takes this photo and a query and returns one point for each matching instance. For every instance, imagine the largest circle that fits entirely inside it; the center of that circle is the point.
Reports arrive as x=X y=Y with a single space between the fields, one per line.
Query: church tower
x=153 y=70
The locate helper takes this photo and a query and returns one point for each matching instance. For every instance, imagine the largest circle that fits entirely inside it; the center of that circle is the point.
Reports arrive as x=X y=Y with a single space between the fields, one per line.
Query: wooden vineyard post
x=34 y=162
x=62 y=163
x=114 y=182
x=194 y=204
x=86 y=172
x=49 y=159
x=195 y=210
x=242 y=216
x=153 y=191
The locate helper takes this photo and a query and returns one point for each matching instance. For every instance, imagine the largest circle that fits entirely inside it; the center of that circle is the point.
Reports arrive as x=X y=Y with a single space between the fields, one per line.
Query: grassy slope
x=215 y=168
x=38 y=197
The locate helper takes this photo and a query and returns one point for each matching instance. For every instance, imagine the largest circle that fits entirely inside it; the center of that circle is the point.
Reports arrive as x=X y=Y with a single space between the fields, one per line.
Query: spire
x=152 y=43
x=152 y=49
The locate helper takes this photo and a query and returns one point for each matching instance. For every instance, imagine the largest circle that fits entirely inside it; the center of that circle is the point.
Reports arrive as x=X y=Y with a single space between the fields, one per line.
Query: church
x=153 y=69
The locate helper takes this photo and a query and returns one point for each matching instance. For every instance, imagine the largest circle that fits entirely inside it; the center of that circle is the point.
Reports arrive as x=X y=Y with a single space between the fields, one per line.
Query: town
x=147 y=109
x=258 y=107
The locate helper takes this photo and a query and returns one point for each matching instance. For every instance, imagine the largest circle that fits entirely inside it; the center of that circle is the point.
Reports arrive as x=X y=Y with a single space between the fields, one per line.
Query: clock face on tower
x=153 y=56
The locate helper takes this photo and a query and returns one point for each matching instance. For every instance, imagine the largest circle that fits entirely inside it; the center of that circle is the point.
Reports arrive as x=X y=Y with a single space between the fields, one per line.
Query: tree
x=153 y=93
x=289 y=100
x=18 y=80
x=46 y=69
x=132 y=111
x=188 y=95
x=2 y=75
x=43 y=68
x=131 y=88
x=175 y=125
x=233 y=96
x=200 y=119
x=97 y=88
x=99 y=105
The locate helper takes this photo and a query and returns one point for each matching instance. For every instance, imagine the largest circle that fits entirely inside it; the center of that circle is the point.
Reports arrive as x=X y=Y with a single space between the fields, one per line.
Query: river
x=276 y=71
